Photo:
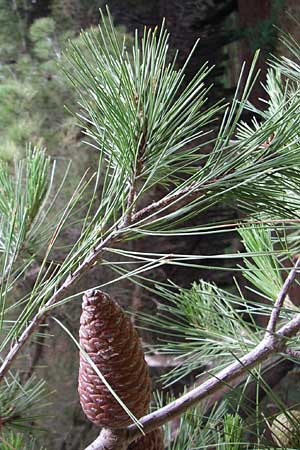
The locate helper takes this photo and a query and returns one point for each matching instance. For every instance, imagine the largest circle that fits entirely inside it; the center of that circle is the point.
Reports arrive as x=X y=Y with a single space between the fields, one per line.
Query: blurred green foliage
x=264 y=35
x=11 y=440
x=75 y=14
x=33 y=86
x=35 y=94
x=33 y=91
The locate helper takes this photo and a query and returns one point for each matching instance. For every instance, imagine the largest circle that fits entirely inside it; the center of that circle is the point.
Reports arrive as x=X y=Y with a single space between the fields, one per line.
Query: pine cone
x=151 y=441
x=109 y=338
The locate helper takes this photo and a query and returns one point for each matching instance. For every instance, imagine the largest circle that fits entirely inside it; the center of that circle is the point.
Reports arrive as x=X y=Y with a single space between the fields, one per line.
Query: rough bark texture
x=109 y=338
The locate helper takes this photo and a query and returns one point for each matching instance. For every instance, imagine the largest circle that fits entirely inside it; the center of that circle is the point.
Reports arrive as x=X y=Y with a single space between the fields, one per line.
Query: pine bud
x=107 y=335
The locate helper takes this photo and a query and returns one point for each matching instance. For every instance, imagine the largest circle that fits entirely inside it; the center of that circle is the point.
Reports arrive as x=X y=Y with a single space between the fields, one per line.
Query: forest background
x=33 y=92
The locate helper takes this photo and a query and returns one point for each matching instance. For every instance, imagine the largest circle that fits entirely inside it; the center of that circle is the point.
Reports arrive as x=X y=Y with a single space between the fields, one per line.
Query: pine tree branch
x=58 y=295
x=263 y=351
x=271 y=344
x=71 y=281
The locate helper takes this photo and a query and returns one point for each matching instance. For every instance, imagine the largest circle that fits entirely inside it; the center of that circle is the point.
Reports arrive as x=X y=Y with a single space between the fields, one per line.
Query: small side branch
x=271 y=327
x=133 y=187
x=187 y=194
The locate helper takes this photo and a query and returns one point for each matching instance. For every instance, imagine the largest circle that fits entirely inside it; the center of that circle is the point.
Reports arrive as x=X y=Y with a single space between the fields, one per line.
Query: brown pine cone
x=151 y=441
x=107 y=335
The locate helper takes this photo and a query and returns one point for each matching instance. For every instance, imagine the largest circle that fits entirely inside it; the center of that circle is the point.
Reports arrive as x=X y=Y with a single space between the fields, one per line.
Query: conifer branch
x=58 y=295
x=270 y=344
x=73 y=278
x=62 y=291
